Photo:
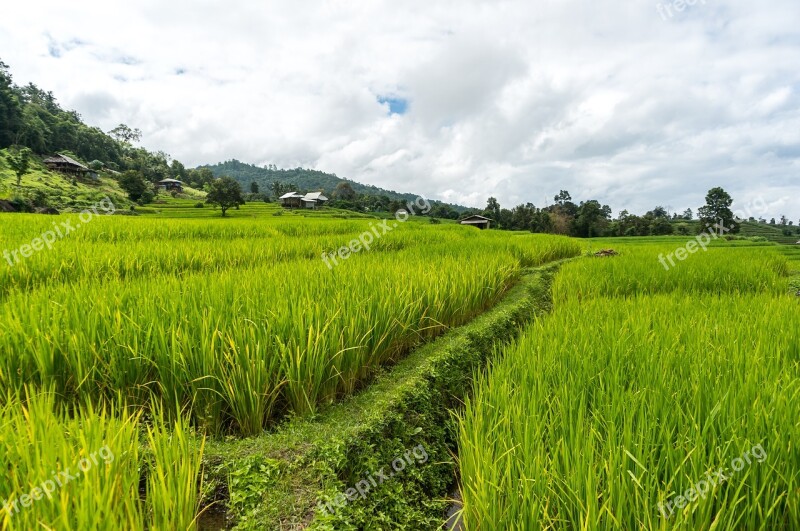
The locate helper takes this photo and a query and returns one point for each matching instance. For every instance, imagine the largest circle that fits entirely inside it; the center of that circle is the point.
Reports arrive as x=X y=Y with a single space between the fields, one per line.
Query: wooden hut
x=291 y=200
x=170 y=185
x=477 y=221
x=314 y=200
x=65 y=164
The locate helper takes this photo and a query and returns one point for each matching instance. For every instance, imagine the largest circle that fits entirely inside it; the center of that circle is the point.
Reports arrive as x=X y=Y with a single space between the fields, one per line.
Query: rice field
x=621 y=408
x=132 y=340
x=139 y=337
x=242 y=322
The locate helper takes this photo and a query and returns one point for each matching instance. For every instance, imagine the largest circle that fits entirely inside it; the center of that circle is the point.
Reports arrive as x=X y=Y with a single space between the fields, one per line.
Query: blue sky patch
x=396 y=105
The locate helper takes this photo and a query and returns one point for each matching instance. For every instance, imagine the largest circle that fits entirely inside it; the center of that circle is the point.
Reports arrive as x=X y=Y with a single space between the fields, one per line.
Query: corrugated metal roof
x=476 y=218
x=315 y=196
x=170 y=181
x=63 y=158
x=290 y=195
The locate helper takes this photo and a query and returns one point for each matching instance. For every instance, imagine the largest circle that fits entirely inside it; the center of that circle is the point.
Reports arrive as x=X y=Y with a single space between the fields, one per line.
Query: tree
x=492 y=209
x=10 y=109
x=177 y=170
x=253 y=187
x=661 y=226
x=199 y=177
x=344 y=192
x=20 y=162
x=562 y=198
x=225 y=192
x=718 y=210
x=592 y=219
x=124 y=134
x=134 y=185
x=658 y=212
x=688 y=215
x=682 y=229
x=564 y=205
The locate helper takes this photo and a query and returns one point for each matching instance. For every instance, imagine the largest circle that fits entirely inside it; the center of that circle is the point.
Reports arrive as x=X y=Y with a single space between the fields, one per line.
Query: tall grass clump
x=83 y=469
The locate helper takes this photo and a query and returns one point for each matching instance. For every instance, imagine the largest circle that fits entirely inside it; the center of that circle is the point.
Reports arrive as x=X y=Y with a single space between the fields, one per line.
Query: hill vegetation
x=273 y=182
x=31 y=118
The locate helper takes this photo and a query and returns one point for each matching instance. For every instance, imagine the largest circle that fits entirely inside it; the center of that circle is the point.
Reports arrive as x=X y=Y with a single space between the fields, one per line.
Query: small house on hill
x=170 y=185
x=291 y=200
x=477 y=221
x=65 y=164
x=314 y=199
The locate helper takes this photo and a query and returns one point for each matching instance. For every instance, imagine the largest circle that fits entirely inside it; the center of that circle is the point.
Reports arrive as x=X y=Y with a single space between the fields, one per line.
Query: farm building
x=314 y=199
x=170 y=184
x=291 y=200
x=477 y=221
x=65 y=164
x=310 y=200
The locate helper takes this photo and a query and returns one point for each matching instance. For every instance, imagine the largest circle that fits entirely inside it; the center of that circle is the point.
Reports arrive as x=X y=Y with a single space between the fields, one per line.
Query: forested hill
x=302 y=179
x=31 y=117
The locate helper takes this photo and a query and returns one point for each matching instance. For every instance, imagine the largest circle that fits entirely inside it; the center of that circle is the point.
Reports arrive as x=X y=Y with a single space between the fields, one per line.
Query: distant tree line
x=591 y=218
x=32 y=122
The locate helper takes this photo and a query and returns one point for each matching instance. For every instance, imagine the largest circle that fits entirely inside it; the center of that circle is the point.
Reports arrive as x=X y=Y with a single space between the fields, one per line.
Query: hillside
x=303 y=179
x=43 y=188
x=771 y=232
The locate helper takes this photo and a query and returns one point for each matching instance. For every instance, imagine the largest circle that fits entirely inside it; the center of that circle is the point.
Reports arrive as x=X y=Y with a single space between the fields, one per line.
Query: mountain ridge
x=305 y=179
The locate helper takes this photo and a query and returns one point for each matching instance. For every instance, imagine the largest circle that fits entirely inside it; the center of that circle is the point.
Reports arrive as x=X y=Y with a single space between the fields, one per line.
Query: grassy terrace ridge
x=276 y=480
x=771 y=232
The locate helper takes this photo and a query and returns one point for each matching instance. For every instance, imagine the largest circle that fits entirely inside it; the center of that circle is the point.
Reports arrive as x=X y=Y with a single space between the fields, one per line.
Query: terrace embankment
x=383 y=458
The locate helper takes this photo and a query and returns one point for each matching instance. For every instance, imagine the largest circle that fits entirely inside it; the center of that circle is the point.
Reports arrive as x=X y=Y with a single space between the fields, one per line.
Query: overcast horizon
x=634 y=105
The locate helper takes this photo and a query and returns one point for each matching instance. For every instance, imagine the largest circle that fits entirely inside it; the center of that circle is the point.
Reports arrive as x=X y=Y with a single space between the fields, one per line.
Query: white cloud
x=515 y=98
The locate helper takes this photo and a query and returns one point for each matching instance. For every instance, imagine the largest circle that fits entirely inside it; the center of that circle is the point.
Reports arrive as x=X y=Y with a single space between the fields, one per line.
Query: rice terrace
x=267 y=345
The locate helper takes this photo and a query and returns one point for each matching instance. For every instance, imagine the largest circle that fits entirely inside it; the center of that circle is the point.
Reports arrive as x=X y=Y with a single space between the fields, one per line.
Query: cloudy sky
x=635 y=103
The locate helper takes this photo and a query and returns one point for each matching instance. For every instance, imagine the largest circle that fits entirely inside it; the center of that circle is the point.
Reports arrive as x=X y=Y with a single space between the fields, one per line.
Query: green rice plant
x=637 y=270
x=82 y=469
x=241 y=321
x=172 y=476
x=609 y=408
